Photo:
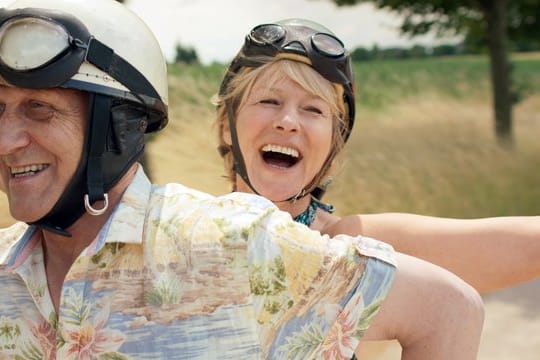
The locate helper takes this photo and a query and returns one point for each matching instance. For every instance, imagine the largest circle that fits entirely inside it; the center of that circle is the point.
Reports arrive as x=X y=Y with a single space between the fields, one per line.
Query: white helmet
x=100 y=47
x=112 y=49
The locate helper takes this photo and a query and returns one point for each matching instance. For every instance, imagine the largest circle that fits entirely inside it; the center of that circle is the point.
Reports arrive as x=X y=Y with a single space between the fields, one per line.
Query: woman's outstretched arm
x=488 y=253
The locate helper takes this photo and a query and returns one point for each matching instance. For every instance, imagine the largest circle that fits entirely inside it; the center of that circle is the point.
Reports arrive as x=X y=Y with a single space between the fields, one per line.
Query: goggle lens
x=267 y=34
x=270 y=34
x=327 y=45
x=30 y=43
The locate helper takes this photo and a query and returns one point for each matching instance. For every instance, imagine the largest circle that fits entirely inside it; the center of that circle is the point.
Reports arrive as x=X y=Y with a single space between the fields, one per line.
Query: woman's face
x=285 y=135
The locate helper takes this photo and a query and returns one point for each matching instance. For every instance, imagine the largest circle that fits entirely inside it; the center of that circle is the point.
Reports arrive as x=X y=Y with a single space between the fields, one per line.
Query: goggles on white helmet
x=60 y=44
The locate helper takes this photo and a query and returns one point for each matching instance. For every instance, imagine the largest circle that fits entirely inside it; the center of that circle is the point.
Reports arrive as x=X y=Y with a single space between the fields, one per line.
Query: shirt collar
x=14 y=240
x=125 y=225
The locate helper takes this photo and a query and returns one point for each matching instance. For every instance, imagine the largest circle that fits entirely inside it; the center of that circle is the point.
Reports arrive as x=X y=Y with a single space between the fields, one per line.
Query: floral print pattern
x=176 y=273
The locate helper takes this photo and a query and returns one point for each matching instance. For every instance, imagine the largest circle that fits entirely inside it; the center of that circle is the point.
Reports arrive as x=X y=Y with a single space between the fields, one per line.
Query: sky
x=216 y=28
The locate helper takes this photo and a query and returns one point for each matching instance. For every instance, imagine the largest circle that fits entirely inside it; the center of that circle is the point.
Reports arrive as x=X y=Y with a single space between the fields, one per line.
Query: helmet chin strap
x=114 y=141
x=240 y=166
x=87 y=179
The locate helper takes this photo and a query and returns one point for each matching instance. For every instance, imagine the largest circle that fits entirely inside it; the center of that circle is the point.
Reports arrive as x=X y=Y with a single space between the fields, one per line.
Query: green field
x=423 y=140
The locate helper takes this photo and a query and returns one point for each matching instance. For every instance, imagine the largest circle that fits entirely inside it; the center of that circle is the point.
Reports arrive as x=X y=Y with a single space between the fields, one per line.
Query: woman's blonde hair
x=273 y=71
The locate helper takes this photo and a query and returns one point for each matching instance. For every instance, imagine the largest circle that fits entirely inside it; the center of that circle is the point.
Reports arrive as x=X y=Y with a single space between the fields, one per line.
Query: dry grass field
x=426 y=152
x=424 y=163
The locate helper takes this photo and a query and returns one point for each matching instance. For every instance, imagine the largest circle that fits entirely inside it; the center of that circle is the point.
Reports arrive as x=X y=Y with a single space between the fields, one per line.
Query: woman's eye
x=269 y=101
x=314 y=110
x=37 y=110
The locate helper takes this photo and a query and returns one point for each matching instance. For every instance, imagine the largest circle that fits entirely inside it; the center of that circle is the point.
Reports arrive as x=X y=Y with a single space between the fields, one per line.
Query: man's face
x=41 y=141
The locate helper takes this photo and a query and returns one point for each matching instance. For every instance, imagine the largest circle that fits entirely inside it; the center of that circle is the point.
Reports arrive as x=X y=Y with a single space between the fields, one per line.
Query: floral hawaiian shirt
x=178 y=274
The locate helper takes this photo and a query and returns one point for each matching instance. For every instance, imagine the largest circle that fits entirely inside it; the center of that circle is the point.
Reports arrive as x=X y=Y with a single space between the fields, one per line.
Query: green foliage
x=380 y=83
x=416 y=51
x=302 y=344
x=9 y=332
x=421 y=16
x=268 y=280
x=166 y=292
x=526 y=79
x=524 y=22
x=523 y=27
x=388 y=82
x=445 y=50
x=77 y=310
x=30 y=352
x=260 y=278
x=199 y=83
x=367 y=318
x=186 y=55
x=493 y=20
x=362 y=54
x=464 y=17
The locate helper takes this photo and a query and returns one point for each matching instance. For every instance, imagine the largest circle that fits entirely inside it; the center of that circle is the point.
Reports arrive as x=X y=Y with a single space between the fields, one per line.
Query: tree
x=186 y=55
x=498 y=20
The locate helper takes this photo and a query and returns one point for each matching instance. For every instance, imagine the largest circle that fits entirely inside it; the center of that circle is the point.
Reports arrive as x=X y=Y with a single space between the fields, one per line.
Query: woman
x=281 y=122
x=259 y=140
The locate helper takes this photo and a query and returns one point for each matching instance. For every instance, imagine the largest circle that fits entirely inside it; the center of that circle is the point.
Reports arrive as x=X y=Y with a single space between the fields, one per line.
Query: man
x=105 y=265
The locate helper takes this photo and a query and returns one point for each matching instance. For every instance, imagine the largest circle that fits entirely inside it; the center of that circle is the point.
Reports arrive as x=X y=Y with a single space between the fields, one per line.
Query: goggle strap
x=99 y=123
x=239 y=165
x=104 y=58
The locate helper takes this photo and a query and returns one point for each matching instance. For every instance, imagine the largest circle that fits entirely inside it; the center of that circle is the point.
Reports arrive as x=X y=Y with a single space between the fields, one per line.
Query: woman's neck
x=294 y=208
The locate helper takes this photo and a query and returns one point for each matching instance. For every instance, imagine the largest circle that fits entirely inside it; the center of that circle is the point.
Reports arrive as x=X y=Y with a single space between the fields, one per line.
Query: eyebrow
x=271 y=89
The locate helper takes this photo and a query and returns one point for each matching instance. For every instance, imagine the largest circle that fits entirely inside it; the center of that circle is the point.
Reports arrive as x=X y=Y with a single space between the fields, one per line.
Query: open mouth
x=280 y=156
x=27 y=170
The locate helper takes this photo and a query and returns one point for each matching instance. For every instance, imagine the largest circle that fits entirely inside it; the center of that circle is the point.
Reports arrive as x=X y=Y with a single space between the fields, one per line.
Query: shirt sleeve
x=314 y=296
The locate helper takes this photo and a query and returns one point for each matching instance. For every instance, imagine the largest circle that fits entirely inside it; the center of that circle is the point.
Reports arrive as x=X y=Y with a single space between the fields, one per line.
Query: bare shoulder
x=444 y=314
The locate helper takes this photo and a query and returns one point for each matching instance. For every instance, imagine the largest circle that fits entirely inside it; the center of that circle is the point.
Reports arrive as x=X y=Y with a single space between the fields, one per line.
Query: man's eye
x=39 y=111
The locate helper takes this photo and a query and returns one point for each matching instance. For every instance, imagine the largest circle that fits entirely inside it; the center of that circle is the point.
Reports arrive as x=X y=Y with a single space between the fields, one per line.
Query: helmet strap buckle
x=96 y=212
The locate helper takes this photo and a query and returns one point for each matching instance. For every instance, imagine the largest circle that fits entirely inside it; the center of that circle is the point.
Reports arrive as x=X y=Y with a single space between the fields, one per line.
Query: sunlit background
x=424 y=139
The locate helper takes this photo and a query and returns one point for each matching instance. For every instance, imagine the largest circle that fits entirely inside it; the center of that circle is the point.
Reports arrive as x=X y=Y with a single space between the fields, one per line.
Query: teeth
x=281 y=149
x=27 y=170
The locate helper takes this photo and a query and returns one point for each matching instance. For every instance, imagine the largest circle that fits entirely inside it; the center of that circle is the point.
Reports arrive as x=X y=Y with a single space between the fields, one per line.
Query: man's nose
x=13 y=133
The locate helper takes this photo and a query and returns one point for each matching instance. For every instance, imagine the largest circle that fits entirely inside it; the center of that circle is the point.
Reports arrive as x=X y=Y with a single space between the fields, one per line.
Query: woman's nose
x=287 y=120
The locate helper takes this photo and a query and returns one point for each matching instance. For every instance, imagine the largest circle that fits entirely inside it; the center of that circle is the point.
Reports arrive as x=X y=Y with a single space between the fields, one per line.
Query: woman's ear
x=226 y=133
